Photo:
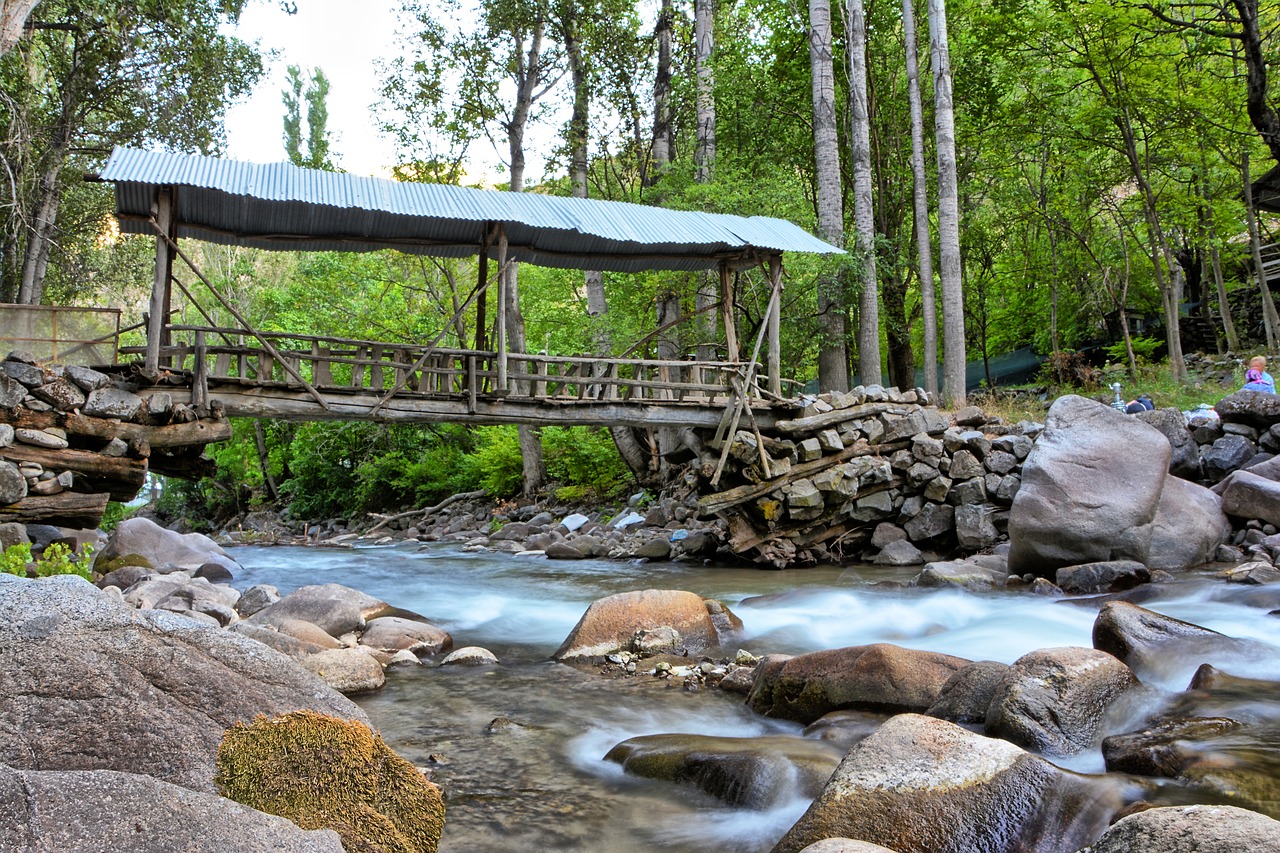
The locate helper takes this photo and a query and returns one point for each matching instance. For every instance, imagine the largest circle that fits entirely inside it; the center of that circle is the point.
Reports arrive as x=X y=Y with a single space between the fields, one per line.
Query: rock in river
x=610 y=623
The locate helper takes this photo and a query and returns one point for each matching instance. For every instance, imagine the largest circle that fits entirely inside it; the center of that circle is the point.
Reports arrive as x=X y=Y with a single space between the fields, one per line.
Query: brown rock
x=875 y=677
x=610 y=623
x=393 y=633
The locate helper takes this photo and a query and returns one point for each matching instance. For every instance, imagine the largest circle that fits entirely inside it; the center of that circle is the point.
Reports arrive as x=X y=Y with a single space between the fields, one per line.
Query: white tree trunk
x=924 y=234
x=13 y=15
x=662 y=94
x=953 y=344
x=863 y=213
x=704 y=155
x=833 y=354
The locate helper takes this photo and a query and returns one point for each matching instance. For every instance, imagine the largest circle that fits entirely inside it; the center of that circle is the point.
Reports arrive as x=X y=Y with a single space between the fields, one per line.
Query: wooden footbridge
x=242 y=371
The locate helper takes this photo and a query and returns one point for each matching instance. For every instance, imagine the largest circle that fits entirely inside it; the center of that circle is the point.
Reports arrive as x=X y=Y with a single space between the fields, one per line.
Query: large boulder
x=85 y=811
x=610 y=624
x=335 y=608
x=1248 y=495
x=1054 y=700
x=1191 y=829
x=880 y=677
x=163 y=549
x=1255 y=408
x=349 y=671
x=1152 y=643
x=391 y=634
x=1188 y=528
x=319 y=771
x=87 y=683
x=921 y=785
x=1090 y=489
x=755 y=772
x=1106 y=576
x=967 y=695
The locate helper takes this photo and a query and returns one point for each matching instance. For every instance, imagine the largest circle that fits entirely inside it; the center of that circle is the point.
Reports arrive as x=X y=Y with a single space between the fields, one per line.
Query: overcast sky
x=344 y=39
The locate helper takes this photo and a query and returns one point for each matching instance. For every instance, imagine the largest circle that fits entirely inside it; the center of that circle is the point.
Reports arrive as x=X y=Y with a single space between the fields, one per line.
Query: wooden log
x=118 y=475
x=67 y=509
x=201 y=432
x=817 y=423
x=720 y=501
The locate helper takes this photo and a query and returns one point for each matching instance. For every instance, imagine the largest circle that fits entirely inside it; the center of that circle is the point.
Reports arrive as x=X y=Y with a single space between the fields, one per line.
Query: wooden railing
x=354 y=366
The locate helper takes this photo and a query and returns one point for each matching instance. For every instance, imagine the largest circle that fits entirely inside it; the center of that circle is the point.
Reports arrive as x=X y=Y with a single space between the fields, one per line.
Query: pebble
x=40 y=438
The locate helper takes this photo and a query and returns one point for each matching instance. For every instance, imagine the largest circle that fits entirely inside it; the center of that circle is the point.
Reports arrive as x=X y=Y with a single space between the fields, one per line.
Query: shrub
x=56 y=559
x=1070 y=368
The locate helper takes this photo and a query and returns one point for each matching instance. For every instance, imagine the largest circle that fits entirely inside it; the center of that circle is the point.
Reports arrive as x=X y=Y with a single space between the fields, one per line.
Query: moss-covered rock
x=106 y=567
x=323 y=772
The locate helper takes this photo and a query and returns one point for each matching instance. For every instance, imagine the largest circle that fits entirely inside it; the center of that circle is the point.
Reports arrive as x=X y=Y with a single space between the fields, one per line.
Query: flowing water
x=518 y=748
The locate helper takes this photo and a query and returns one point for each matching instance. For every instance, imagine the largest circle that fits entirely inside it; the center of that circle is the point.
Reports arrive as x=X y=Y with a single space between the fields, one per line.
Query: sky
x=342 y=38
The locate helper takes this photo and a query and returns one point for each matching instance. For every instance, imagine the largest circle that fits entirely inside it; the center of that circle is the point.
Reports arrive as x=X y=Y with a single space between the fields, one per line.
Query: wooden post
x=775 y=324
x=200 y=381
x=480 y=299
x=726 y=310
x=501 y=331
x=158 y=318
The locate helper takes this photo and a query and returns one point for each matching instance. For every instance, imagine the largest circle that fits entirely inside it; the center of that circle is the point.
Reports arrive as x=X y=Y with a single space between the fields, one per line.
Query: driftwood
x=68 y=509
x=721 y=501
x=431 y=510
x=118 y=475
x=827 y=420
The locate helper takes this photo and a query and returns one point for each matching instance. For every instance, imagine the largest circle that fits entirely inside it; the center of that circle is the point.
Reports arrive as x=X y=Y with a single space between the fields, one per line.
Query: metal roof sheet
x=284 y=207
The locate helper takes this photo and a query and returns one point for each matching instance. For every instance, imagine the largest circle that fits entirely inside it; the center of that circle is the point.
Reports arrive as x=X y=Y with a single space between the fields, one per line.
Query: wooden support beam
x=157 y=318
x=118 y=475
x=501 y=331
x=726 y=311
x=775 y=325
x=201 y=432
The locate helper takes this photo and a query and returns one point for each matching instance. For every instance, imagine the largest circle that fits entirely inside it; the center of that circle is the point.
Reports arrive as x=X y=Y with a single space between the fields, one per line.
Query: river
x=539 y=781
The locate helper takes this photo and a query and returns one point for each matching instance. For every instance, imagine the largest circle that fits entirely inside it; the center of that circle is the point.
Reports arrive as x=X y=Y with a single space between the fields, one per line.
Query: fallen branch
x=387 y=519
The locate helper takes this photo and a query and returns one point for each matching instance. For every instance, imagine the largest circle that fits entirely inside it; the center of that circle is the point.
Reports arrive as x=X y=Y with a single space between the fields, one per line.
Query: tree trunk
x=1261 y=113
x=662 y=96
x=833 y=354
x=704 y=155
x=264 y=459
x=1270 y=321
x=863 y=215
x=13 y=15
x=924 y=238
x=40 y=238
x=527 y=73
x=953 y=343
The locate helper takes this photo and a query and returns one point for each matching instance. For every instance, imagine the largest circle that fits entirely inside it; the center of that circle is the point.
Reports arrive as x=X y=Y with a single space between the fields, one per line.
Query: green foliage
x=56 y=559
x=1143 y=350
x=1070 y=368
x=116 y=512
x=585 y=457
x=496 y=465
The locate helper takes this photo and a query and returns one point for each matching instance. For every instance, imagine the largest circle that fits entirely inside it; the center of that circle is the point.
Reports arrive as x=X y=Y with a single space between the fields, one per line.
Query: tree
x=13 y=18
x=98 y=74
x=953 y=341
x=315 y=97
x=863 y=213
x=833 y=356
x=920 y=195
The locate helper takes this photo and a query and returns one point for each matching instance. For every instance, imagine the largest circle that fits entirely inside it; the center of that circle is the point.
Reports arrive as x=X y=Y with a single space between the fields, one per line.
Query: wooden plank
x=117 y=475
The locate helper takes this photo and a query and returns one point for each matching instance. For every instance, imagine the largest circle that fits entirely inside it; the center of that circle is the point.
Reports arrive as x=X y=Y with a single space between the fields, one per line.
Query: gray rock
x=391 y=634
x=1104 y=576
x=932 y=521
x=255 y=598
x=75 y=665
x=1000 y=462
x=885 y=533
x=1152 y=642
x=1188 y=527
x=12 y=533
x=13 y=486
x=6 y=435
x=1191 y=829
x=967 y=694
x=334 y=608
x=349 y=671
x=1053 y=700
x=82 y=811
x=564 y=551
x=960 y=574
x=40 y=438
x=899 y=552
x=28 y=374
x=112 y=403
x=920 y=784
x=87 y=378
x=1090 y=489
x=1255 y=573
x=12 y=392
x=1016 y=445
x=1248 y=495
x=470 y=656
x=653 y=549
x=1226 y=455
x=162 y=547
x=62 y=394
x=975 y=528
x=965 y=465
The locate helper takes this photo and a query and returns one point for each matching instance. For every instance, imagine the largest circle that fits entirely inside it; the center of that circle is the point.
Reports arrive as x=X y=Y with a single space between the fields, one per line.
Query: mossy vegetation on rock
x=323 y=772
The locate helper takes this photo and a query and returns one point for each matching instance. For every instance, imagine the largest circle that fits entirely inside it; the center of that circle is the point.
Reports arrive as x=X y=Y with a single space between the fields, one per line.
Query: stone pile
x=876 y=473
x=72 y=438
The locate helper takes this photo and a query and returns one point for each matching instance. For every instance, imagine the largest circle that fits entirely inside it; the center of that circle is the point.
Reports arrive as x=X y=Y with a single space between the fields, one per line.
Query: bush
x=56 y=559
x=1070 y=368
x=1144 y=350
x=497 y=465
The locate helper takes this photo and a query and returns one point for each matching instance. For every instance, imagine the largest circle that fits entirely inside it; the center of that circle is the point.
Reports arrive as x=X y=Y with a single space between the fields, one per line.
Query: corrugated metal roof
x=281 y=206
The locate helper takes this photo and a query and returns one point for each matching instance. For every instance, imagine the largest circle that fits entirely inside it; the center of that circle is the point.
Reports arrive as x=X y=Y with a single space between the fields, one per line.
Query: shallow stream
x=538 y=782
